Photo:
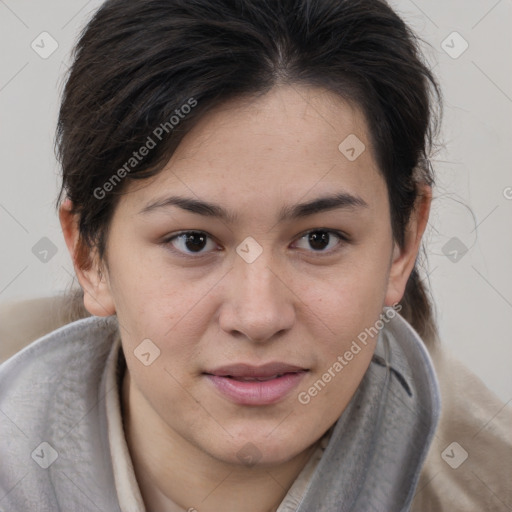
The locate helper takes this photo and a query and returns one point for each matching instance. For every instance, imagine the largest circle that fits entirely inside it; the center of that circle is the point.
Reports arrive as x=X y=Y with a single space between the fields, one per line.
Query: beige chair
x=469 y=464
x=24 y=321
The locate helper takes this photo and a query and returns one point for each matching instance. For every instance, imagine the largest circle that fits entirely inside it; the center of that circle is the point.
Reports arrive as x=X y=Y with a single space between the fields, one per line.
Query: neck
x=172 y=472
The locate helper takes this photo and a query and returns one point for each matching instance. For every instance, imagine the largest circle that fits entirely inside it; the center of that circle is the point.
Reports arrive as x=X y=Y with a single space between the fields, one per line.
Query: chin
x=260 y=450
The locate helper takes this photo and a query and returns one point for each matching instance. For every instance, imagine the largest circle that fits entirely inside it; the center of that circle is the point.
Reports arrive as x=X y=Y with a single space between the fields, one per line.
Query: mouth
x=252 y=379
x=256 y=385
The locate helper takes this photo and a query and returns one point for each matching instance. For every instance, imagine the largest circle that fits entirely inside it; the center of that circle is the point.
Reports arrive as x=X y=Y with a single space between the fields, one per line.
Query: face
x=269 y=287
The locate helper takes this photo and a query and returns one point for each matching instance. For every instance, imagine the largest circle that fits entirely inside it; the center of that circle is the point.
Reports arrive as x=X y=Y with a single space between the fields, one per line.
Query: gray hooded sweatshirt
x=56 y=441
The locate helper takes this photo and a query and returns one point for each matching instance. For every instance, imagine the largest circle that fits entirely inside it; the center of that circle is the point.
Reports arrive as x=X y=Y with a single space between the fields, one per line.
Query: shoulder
x=73 y=354
x=49 y=416
x=79 y=345
x=25 y=320
x=469 y=463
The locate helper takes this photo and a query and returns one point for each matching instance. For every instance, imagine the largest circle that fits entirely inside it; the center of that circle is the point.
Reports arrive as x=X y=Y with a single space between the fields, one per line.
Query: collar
x=379 y=443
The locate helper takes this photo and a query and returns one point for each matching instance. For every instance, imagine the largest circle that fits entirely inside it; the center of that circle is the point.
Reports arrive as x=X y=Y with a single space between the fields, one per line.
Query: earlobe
x=404 y=258
x=90 y=273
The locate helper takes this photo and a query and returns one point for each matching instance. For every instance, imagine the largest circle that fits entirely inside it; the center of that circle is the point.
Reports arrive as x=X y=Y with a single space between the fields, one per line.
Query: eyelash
x=342 y=237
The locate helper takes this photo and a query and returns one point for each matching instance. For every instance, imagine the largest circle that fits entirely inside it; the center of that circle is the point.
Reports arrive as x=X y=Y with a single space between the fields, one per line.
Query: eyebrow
x=341 y=200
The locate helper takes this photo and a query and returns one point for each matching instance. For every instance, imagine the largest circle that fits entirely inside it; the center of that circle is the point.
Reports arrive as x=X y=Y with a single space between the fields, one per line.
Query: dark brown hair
x=137 y=62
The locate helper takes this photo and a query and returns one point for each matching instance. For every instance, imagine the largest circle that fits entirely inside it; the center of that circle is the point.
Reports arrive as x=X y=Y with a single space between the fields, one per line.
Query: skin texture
x=294 y=303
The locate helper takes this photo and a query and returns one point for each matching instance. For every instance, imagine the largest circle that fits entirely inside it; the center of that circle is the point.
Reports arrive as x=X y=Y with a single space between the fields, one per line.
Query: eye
x=320 y=239
x=189 y=242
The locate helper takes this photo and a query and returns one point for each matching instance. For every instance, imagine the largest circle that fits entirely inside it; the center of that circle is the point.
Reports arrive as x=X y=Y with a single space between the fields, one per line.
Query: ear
x=91 y=273
x=404 y=258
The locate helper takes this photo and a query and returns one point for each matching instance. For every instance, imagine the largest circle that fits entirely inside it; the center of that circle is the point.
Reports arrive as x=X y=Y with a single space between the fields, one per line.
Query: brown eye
x=321 y=239
x=189 y=242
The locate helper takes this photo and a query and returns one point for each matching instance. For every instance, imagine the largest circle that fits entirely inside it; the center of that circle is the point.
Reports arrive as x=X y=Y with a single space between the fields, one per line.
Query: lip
x=248 y=370
x=281 y=379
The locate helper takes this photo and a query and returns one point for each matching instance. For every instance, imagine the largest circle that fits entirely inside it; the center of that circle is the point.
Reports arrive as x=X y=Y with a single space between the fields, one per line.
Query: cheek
x=171 y=311
x=344 y=309
x=346 y=347
x=351 y=297
x=148 y=294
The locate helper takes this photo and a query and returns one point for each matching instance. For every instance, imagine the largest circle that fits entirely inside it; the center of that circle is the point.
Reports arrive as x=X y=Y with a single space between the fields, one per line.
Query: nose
x=259 y=302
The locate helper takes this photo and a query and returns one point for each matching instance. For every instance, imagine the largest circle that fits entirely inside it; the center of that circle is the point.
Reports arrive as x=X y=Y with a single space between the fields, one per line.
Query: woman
x=245 y=189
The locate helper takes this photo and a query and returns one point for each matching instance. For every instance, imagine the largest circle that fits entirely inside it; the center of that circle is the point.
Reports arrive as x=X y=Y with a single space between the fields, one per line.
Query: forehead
x=288 y=143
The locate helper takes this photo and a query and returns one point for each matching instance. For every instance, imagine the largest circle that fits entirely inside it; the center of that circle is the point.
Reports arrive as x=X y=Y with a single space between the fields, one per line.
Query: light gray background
x=473 y=198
